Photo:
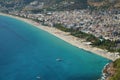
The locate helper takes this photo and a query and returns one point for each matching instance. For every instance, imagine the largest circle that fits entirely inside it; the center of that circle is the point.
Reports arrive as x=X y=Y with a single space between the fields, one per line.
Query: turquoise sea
x=28 y=53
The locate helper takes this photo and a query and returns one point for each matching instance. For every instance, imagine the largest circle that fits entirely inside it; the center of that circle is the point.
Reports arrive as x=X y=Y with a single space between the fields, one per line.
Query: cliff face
x=109 y=71
x=112 y=71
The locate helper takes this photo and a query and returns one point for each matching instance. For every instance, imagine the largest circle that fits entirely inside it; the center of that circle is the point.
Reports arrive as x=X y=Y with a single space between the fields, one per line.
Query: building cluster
x=98 y=23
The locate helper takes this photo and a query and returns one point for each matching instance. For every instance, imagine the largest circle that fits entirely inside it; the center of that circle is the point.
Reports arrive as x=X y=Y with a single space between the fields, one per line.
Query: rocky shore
x=108 y=71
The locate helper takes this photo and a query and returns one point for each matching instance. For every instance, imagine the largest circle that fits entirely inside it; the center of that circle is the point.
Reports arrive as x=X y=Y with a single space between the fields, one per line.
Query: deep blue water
x=27 y=52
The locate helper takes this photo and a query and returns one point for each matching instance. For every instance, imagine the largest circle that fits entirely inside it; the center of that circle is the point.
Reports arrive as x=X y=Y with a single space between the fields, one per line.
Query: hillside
x=104 y=3
x=116 y=65
x=113 y=70
x=6 y=5
x=44 y=4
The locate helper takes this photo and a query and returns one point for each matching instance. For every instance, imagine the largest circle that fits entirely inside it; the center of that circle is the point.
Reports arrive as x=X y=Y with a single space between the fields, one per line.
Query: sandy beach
x=80 y=43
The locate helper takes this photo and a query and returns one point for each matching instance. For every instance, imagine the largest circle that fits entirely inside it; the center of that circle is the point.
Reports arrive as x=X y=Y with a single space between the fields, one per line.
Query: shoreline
x=77 y=42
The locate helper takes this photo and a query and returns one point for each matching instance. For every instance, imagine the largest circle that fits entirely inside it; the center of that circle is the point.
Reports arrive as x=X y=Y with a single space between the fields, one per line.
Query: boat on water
x=58 y=59
x=38 y=77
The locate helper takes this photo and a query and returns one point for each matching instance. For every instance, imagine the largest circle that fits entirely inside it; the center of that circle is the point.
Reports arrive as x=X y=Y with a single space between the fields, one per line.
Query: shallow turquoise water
x=27 y=52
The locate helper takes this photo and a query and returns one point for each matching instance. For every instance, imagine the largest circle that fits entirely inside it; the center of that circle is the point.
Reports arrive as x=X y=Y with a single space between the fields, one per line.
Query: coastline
x=77 y=42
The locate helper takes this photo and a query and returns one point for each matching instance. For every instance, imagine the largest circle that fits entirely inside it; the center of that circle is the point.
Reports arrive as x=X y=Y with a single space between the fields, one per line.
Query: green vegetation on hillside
x=116 y=65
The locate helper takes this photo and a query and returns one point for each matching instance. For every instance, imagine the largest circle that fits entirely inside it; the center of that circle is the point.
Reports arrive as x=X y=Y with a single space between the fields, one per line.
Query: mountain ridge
x=57 y=4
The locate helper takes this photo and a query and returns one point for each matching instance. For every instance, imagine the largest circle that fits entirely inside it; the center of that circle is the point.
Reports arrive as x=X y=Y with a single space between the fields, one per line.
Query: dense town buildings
x=98 y=23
